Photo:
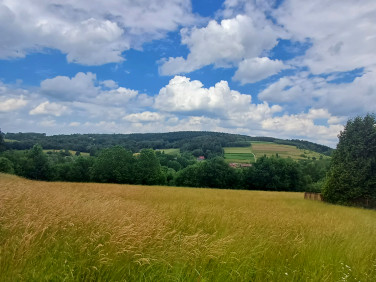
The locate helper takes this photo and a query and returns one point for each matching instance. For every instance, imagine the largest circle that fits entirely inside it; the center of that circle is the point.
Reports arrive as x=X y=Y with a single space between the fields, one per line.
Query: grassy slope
x=239 y=154
x=243 y=154
x=57 y=231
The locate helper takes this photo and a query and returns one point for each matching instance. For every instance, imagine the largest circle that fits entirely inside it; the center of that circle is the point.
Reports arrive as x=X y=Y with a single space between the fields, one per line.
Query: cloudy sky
x=288 y=69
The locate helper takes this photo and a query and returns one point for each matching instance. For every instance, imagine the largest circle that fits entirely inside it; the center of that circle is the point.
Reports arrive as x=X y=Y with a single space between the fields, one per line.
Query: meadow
x=284 y=151
x=172 y=151
x=239 y=154
x=88 y=231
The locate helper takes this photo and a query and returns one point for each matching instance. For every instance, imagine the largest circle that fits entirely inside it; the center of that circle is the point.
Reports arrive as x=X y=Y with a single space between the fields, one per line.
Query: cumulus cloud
x=12 y=104
x=342 y=37
x=185 y=96
x=65 y=88
x=345 y=99
x=48 y=108
x=144 y=117
x=255 y=69
x=90 y=32
x=223 y=44
x=303 y=126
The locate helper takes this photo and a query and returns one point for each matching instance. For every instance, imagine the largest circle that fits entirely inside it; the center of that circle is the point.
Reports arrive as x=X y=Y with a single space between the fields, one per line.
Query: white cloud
x=223 y=44
x=65 y=88
x=74 y=124
x=12 y=104
x=47 y=108
x=303 y=126
x=185 y=96
x=144 y=117
x=345 y=99
x=90 y=32
x=342 y=37
x=255 y=69
x=109 y=84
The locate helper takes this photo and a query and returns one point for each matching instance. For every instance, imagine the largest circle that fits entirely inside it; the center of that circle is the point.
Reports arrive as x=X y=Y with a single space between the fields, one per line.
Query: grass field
x=71 y=151
x=170 y=151
x=284 y=151
x=10 y=140
x=239 y=154
x=106 y=232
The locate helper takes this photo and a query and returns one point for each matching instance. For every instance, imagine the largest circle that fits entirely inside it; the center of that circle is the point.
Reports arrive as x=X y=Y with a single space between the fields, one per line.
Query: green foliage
x=148 y=169
x=353 y=169
x=36 y=165
x=275 y=174
x=114 y=165
x=2 y=142
x=214 y=173
x=6 y=165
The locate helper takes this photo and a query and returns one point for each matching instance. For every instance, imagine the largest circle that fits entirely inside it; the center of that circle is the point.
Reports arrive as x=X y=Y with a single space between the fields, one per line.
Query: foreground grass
x=78 y=232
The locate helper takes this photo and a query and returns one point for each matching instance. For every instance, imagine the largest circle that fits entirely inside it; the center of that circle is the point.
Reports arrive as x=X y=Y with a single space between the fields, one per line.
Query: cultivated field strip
x=80 y=232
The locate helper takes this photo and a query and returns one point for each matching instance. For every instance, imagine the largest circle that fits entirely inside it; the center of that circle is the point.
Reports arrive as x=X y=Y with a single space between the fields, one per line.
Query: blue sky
x=288 y=69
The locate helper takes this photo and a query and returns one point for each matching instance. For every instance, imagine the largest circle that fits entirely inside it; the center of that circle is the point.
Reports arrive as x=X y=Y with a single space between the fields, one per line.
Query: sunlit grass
x=271 y=149
x=172 y=151
x=71 y=231
x=239 y=154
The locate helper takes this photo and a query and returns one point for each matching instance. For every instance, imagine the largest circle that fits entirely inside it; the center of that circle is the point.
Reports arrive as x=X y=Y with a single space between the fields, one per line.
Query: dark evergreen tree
x=352 y=174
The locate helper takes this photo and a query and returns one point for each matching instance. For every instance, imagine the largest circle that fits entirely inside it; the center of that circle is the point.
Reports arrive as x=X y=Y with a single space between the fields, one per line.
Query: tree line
x=119 y=165
x=198 y=143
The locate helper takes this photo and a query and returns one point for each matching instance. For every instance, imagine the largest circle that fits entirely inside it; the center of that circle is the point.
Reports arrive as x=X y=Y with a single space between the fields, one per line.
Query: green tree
x=148 y=169
x=352 y=174
x=2 y=142
x=37 y=165
x=113 y=165
x=6 y=165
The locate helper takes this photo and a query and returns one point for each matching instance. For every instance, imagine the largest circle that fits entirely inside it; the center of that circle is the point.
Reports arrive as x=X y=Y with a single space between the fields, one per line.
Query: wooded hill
x=196 y=142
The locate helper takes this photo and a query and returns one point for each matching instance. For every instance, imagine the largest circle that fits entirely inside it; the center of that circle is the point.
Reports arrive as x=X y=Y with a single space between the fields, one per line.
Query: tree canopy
x=352 y=174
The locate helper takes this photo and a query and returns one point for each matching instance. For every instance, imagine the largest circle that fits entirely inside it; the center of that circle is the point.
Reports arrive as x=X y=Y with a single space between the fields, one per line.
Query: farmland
x=239 y=154
x=259 y=149
x=284 y=151
x=77 y=231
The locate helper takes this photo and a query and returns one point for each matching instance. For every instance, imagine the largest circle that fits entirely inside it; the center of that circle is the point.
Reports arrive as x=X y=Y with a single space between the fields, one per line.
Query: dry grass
x=76 y=232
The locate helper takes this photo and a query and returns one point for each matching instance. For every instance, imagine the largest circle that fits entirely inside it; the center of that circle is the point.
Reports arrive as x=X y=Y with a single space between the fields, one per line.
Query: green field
x=239 y=155
x=259 y=149
x=269 y=149
x=70 y=151
x=107 y=232
x=170 y=151
x=10 y=140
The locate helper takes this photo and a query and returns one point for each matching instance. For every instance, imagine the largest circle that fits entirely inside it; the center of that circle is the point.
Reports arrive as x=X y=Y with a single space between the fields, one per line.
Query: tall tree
x=148 y=169
x=2 y=142
x=37 y=165
x=114 y=165
x=352 y=174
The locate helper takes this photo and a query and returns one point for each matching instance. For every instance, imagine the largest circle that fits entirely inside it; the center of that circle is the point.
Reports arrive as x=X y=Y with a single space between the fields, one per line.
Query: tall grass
x=79 y=232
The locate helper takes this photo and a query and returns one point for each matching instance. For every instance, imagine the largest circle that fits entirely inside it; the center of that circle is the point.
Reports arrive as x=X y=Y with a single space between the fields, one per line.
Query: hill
x=196 y=142
x=77 y=231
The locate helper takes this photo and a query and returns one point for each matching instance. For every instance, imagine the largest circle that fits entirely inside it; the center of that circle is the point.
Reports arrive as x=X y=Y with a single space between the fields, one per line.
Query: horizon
x=135 y=133
x=255 y=68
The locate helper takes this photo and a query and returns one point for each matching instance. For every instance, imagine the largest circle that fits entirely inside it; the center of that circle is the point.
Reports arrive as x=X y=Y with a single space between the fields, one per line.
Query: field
x=239 y=155
x=80 y=232
x=70 y=151
x=284 y=151
x=170 y=151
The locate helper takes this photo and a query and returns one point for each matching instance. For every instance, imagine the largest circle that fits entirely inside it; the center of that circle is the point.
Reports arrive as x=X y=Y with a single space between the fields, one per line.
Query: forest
x=118 y=164
x=197 y=143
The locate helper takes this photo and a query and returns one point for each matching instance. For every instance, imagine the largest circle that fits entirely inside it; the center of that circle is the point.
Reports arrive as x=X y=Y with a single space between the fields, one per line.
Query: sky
x=282 y=68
